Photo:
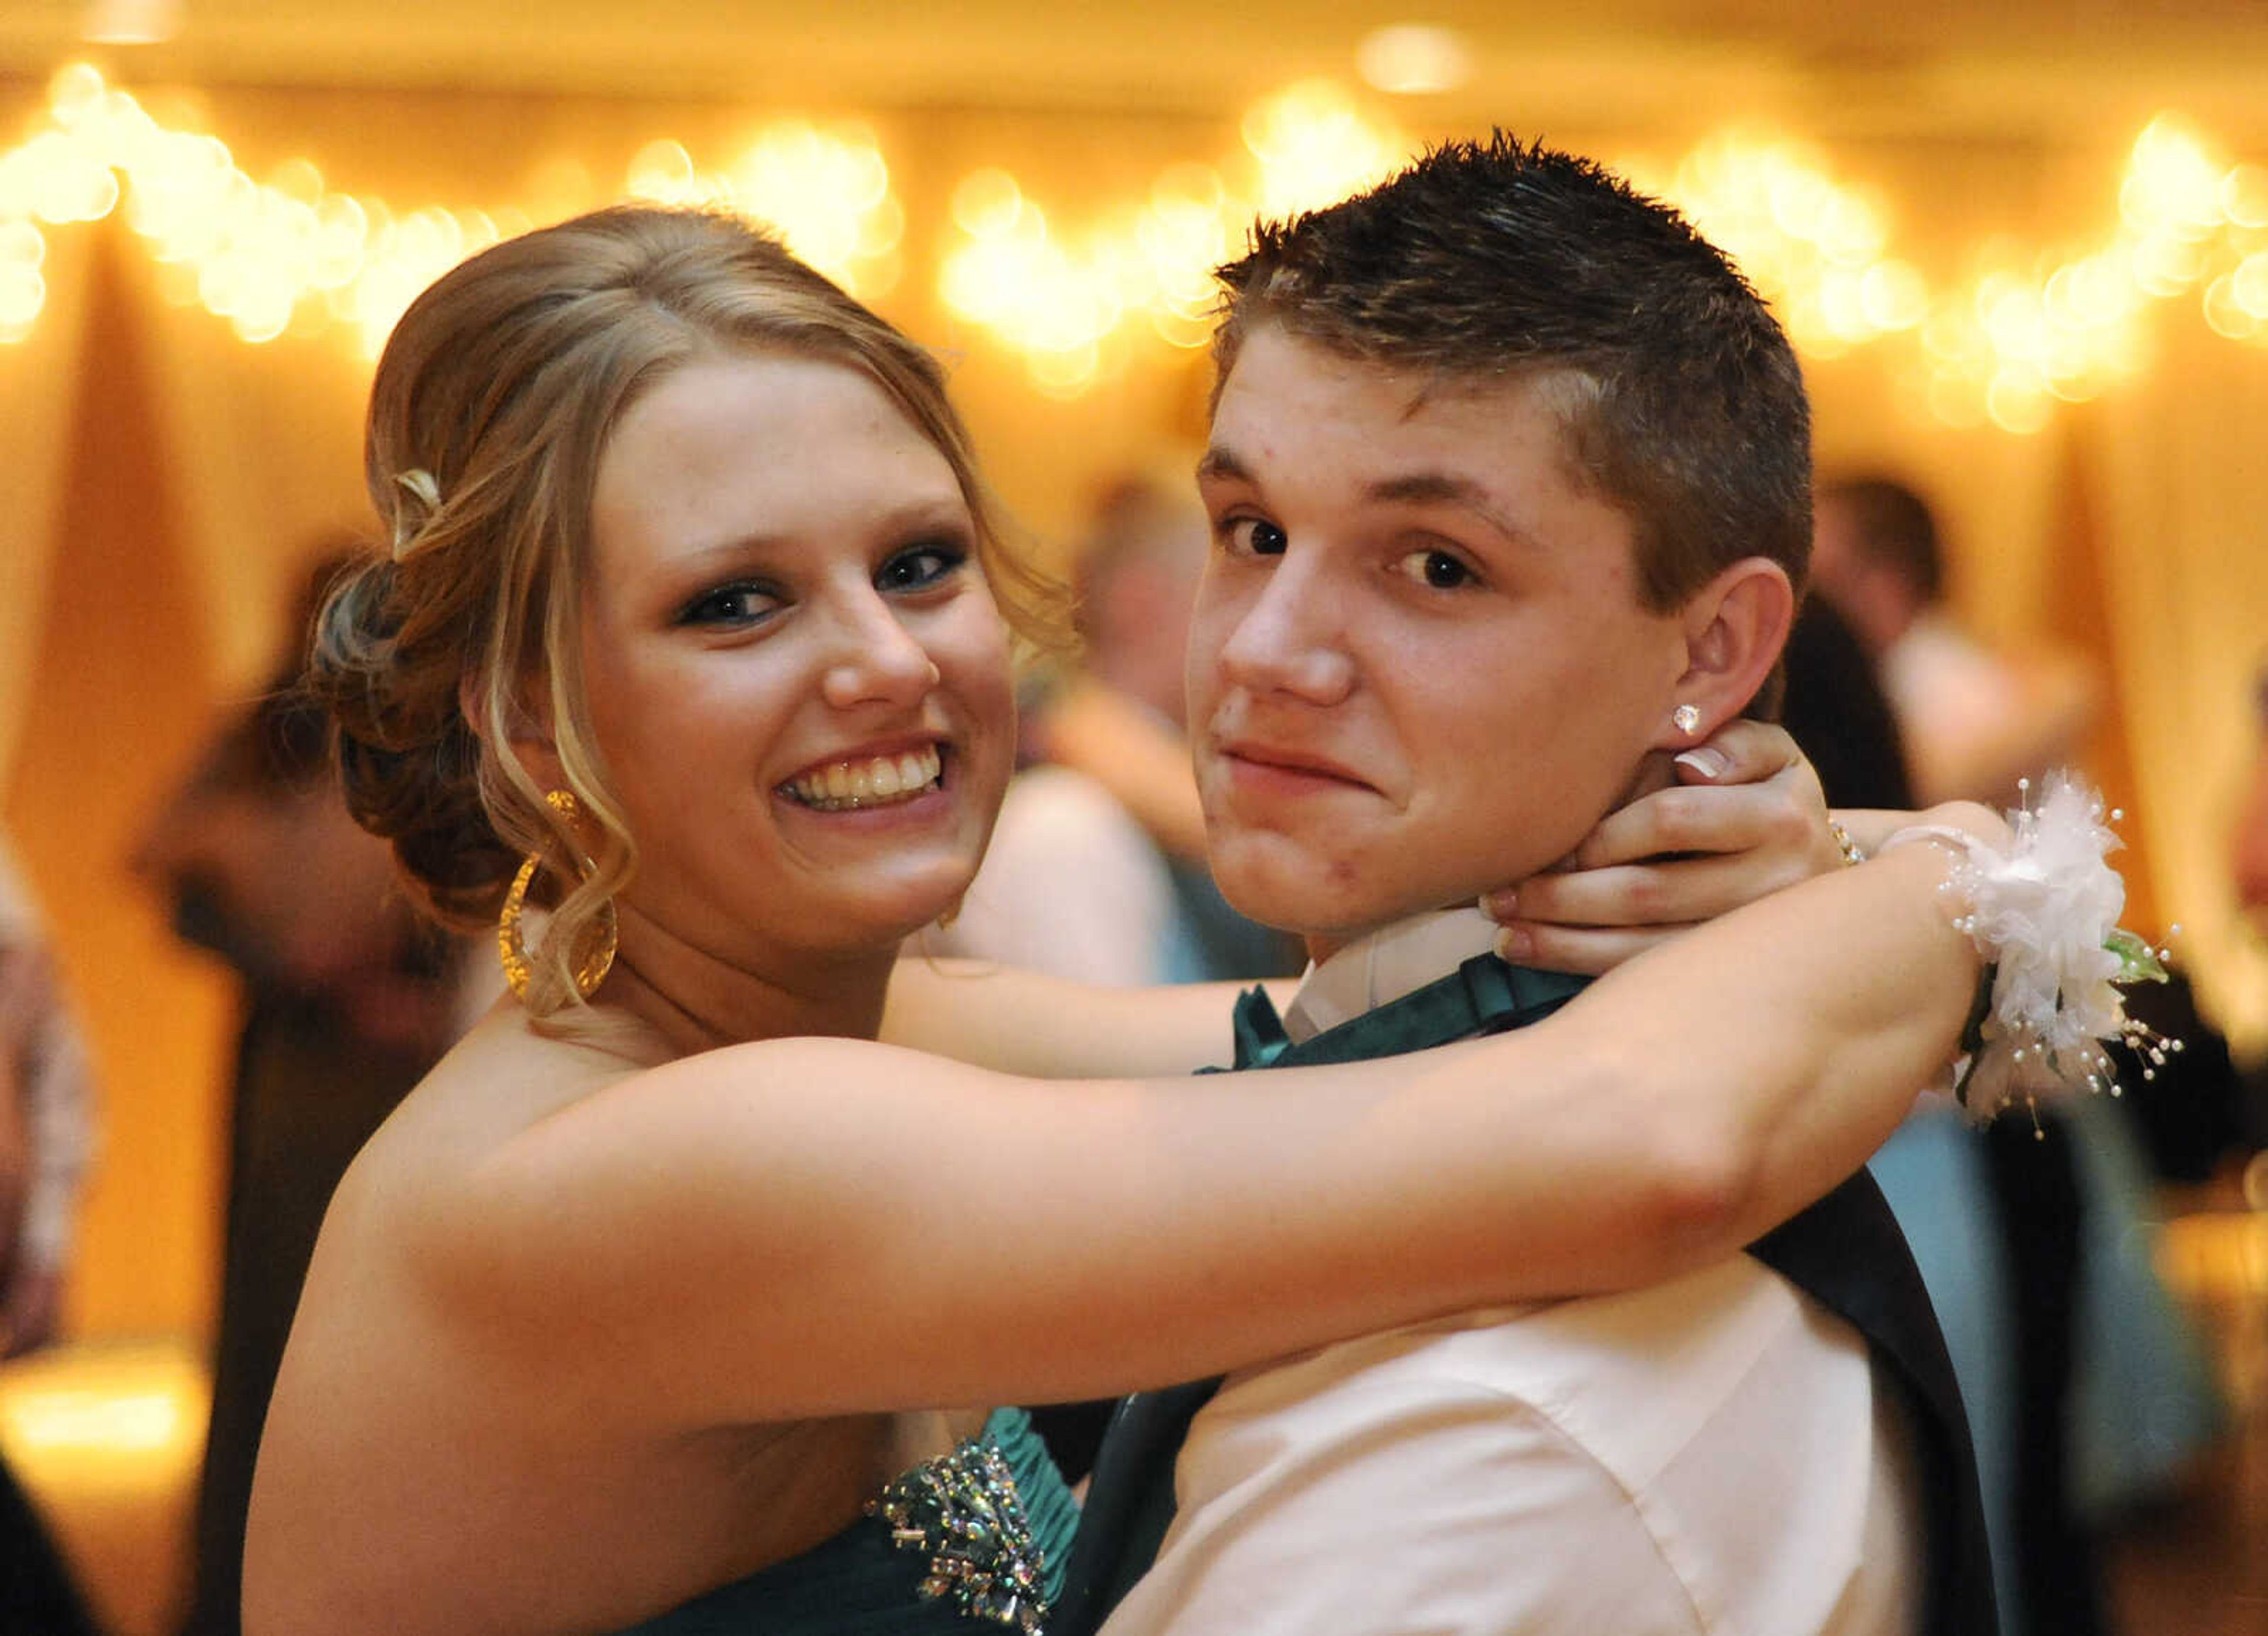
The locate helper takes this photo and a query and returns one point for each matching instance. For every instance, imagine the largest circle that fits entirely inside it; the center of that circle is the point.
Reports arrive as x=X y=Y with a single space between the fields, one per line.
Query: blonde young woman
x=650 y=1307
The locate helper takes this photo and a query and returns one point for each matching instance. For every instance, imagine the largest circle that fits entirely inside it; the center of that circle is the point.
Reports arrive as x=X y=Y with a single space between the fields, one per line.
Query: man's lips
x=1281 y=766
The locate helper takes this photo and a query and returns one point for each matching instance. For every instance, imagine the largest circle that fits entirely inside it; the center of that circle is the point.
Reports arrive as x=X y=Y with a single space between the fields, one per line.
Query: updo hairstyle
x=493 y=404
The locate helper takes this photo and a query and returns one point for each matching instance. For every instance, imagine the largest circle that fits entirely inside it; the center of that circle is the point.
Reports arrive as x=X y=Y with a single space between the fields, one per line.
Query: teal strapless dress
x=976 y=1538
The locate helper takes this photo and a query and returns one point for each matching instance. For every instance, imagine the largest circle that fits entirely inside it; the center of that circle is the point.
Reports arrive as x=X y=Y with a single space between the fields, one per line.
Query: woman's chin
x=922 y=903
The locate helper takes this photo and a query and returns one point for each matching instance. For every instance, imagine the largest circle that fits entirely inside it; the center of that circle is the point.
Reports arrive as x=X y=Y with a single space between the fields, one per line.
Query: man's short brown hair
x=1490 y=260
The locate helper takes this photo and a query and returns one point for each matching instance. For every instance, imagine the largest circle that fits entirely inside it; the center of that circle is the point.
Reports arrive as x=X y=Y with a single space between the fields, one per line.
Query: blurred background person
x=347 y=1001
x=1837 y=710
x=2087 y=1390
x=2249 y=867
x=1097 y=867
x=2249 y=848
x=1973 y=720
x=47 y=1126
x=47 y=1136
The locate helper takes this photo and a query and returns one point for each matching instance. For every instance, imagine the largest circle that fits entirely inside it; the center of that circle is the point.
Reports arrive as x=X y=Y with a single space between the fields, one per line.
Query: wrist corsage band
x=2044 y=915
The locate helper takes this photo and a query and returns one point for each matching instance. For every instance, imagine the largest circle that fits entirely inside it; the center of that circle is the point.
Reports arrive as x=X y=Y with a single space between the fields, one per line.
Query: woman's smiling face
x=796 y=675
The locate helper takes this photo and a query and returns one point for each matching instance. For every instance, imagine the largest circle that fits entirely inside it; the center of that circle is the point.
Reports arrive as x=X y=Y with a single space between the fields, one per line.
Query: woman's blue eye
x=730 y=605
x=920 y=567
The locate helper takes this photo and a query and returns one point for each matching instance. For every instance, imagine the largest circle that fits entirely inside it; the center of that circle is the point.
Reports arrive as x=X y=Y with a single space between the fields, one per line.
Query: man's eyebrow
x=1433 y=488
x=1221 y=464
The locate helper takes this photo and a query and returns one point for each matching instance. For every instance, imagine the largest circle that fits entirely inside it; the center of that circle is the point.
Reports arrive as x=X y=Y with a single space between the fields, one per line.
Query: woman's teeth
x=885 y=779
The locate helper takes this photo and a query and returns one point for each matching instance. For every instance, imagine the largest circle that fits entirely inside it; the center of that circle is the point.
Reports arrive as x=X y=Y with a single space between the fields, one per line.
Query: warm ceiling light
x=131 y=22
x=1414 y=59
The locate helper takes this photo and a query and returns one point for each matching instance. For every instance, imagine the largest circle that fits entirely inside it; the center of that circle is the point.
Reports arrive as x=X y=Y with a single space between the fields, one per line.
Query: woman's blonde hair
x=492 y=405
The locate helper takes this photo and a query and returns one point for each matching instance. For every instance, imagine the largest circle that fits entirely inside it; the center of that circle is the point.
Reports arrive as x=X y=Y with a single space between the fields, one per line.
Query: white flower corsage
x=2045 y=913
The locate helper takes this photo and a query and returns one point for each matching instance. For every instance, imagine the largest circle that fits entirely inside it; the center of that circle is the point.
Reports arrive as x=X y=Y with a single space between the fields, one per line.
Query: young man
x=1509 y=476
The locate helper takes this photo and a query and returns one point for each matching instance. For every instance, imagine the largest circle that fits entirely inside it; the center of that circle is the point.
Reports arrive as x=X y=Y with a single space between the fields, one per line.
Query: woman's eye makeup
x=918 y=567
x=742 y=602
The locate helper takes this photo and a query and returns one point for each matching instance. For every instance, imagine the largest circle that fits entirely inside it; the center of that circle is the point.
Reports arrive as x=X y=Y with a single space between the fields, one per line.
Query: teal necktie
x=1485 y=995
x=1131 y=1499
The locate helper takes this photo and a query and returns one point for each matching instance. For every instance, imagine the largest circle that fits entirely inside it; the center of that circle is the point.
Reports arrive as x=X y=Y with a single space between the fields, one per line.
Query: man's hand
x=1727 y=823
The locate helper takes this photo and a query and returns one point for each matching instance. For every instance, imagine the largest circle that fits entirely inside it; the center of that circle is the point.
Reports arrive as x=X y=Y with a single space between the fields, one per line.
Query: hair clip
x=410 y=534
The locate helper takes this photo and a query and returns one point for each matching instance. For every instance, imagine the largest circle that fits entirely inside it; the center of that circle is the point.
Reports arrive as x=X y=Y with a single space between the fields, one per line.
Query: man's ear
x=531 y=740
x=1735 y=627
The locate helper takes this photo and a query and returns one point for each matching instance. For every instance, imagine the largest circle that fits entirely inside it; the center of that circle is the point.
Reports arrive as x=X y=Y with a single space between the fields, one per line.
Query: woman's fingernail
x=1708 y=763
x=1514 y=943
x=1501 y=904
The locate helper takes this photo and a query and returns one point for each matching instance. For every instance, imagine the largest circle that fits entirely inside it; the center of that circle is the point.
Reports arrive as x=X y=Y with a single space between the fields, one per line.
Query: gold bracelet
x=1849 y=847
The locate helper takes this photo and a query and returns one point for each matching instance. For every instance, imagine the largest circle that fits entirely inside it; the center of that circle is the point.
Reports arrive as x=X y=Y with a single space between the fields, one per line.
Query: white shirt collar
x=1374 y=970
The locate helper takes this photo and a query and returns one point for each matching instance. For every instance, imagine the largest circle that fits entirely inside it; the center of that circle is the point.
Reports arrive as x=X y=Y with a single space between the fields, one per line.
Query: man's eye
x=920 y=567
x=1442 y=571
x=1256 y=536
x=730 y=605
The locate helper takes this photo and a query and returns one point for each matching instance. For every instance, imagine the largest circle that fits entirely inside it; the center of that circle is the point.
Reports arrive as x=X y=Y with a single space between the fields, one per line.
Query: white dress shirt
x=1707 y=1454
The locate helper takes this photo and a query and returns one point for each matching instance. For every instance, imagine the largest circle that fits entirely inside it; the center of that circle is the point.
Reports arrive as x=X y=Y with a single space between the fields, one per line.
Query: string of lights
x=291 y=254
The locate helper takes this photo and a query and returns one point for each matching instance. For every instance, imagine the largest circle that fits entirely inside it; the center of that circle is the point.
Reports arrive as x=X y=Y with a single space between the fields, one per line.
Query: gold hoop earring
x=594 y=945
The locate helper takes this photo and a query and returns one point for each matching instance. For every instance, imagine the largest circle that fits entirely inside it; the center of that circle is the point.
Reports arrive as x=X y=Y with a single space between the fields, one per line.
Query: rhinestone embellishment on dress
x=963 y=1511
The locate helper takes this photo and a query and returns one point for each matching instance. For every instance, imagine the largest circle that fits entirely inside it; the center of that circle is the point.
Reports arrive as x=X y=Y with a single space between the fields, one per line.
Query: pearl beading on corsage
x=2045 y=913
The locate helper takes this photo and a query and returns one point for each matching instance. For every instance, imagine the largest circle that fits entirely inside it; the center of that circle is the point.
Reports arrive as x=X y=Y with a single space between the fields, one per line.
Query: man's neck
x=1323 y=945
x=1354 y=972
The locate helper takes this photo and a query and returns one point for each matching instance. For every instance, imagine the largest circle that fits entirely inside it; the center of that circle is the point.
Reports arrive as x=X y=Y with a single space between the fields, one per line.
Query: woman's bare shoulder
x=516 y=1121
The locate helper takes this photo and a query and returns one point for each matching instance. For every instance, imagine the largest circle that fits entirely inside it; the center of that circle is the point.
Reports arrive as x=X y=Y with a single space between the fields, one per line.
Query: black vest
x=1845 y=1252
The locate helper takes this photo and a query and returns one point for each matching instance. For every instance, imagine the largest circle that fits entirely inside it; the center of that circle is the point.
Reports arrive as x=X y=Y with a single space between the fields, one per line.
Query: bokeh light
x=1072 y=291
x=291 y=254
x=1065 y=299
x=826 y=190
x=2018 y=338
x=1414 y=59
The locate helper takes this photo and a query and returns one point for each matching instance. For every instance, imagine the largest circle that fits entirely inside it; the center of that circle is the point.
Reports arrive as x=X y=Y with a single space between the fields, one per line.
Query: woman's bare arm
x=808 y=1227
x=1677 y=854
x=1045 y=1027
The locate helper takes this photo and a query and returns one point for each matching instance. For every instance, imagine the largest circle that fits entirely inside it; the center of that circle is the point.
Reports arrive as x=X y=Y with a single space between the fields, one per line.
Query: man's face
x=1419 y=668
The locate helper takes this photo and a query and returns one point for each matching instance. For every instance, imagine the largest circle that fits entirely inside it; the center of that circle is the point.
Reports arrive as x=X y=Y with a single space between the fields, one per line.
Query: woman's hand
x=1726 y=823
